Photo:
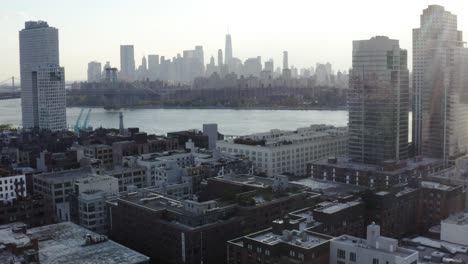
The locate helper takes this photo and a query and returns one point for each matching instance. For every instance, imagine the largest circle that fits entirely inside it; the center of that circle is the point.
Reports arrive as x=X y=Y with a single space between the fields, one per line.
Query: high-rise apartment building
x=94 y=71
x=378 y=101
x=440 y=108
x=228 y=50
x=127 y=62
x=43 y=99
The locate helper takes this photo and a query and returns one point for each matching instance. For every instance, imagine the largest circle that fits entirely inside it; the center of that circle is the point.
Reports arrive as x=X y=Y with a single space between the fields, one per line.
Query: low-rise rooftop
x=303 y=239
x=65 y=243
x=65 y=175
x=328 y=188
x=277 y=137
x=434 y=251
x=436 y=186
x=362 y=243
x=458 y=219
x=333 y=207
x=389 y=167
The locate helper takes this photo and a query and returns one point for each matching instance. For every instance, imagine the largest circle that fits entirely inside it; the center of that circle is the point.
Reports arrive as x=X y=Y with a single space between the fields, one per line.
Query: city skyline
x=235 y=162
x=306 y=37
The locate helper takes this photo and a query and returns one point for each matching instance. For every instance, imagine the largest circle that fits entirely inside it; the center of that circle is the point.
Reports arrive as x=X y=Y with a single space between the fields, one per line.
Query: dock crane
x=77 y=124
x=84 y=125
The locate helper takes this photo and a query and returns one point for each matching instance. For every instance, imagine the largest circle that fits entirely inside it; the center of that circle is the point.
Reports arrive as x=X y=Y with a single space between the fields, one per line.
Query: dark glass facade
x=378 y=101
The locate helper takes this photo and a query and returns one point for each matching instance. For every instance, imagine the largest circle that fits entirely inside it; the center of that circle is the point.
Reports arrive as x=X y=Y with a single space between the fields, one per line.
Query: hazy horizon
x=94 y=30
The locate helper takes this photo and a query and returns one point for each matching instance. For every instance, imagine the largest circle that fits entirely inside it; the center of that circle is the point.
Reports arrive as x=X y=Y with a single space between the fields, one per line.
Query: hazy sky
x=312 y=31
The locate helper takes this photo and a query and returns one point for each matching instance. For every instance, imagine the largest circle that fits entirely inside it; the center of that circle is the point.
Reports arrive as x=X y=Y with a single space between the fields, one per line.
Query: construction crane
x=82 y=126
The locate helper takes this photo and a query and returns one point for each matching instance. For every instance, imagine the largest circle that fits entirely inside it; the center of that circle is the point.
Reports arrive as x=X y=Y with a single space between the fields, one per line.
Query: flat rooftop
x=362 y=243
x=458 y=219
x=333 y=207
x=404 y=191
x=347 y=163
x=246 y=179
x=64 y=243
x=329 y=188
x=277 y=137
x=97 y=146
x=96 y=179
x=429 y=248
x=64 y=175
x=305 y=217
x=167 y=154
x=153 y=201
x=302 y=239
x=436 y=186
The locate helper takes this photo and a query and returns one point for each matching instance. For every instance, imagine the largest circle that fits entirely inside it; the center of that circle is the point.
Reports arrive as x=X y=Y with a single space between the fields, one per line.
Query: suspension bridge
x=9 y=88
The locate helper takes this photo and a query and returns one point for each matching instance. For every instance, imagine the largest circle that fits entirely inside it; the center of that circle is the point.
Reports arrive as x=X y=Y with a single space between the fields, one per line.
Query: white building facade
x=43 y=99
x=93 y=192
x=281 y=151
x=11 y=187
x=454 y=229
x=373 y=250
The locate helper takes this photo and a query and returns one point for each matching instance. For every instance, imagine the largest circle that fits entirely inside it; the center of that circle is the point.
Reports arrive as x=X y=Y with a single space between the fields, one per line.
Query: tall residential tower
x=440 y=64
x=378 y=101
x=43 y=99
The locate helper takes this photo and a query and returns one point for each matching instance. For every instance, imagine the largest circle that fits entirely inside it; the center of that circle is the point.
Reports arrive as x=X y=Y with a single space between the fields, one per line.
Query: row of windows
x=341 y=254
x=11 y=181
x=259 y=250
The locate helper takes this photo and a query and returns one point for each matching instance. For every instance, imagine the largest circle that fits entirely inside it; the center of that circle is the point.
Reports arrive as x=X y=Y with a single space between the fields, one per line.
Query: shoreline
x=343 y=108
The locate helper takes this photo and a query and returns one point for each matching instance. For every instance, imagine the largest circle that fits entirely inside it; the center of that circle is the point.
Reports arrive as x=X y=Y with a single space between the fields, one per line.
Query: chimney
x=121 y=124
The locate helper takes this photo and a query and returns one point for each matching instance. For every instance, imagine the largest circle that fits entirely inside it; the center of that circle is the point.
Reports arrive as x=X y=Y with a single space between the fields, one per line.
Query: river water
x=161 y=121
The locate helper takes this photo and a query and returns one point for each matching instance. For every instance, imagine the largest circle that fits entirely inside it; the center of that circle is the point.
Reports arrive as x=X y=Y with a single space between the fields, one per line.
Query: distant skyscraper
x=228 y=50
x=378 y=101
x=153 y=67
x=199 y=54
x=144 y=64
x=43 y=99
x=323 y=74
x=94 y=71
x=143 y=69
x=269 y=66
x=440 y=114
x=285 y=60
x=220 y=57
x=252 y=67
x=200 y=63
x=127 y=62
x=107 y=72
x=211 y=67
